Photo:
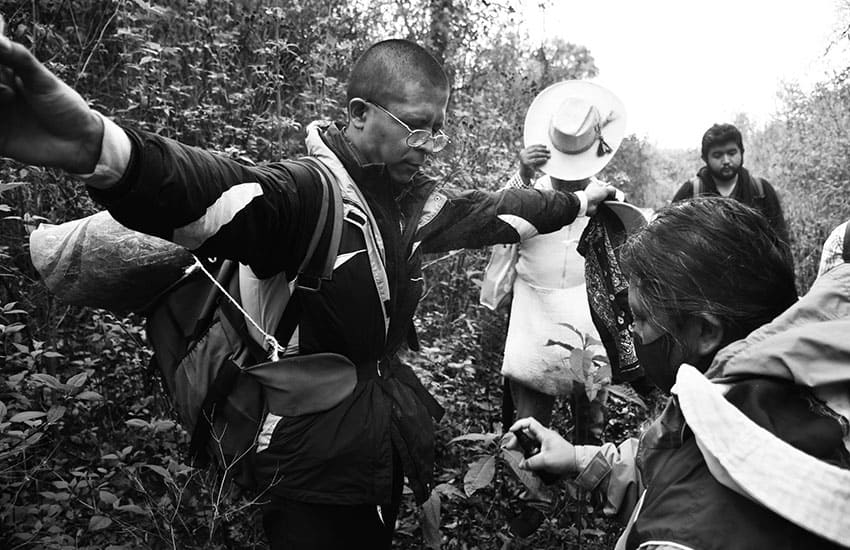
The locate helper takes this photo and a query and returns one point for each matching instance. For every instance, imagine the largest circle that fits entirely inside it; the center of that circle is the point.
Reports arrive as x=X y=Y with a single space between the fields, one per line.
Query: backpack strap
x=267 y=300
x=758 y=187
x=317 y=268
x=314 y=267
x=696 y=184
x=328 y=208
x=756 y=182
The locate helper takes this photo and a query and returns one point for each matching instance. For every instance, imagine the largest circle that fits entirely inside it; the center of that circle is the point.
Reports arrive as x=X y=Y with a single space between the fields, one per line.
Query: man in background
x=724 y=175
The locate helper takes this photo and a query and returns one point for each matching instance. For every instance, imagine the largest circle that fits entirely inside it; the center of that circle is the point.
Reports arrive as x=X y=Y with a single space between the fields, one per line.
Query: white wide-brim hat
x=582 y=124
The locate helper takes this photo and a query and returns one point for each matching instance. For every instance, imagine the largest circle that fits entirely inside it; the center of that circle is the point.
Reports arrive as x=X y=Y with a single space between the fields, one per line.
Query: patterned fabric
x=516 y=182
x=608 y=292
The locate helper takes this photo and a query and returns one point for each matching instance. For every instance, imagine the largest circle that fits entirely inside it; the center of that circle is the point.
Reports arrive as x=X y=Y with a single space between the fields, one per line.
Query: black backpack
x=757 y=185
x=203 y=349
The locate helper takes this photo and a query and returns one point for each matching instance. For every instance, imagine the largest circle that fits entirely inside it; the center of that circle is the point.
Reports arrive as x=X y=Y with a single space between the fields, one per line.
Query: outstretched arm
x=204 y=202
x=473 y=219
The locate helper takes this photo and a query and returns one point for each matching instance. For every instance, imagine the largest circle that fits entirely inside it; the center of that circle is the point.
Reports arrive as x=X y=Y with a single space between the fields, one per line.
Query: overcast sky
x=681 y=65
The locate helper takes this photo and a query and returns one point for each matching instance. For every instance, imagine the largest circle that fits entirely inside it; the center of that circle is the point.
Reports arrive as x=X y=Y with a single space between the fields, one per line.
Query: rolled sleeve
x=115 y=151
x=610 y=470
x=582 y=203
x=593 y=470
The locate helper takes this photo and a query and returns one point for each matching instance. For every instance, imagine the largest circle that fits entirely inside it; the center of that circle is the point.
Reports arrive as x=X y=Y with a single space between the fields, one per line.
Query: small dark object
x=531 y=447
x=528 y=444
x=526 y=522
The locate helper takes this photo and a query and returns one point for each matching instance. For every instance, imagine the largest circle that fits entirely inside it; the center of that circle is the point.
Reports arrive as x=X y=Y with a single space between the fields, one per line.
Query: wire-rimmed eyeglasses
x=417 y=138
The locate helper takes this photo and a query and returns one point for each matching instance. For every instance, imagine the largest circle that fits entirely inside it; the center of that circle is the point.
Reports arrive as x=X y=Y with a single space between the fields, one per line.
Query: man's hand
x=42 y=120
x=556 y=456
x=530 y=159
x=597 y=192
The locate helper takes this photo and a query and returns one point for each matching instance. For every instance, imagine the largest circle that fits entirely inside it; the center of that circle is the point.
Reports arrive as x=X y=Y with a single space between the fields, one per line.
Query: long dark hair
x=710 y=255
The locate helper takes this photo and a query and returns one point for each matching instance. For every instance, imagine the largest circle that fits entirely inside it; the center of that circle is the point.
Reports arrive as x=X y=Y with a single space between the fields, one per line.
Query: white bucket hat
x=753 y=462
x=580 y=122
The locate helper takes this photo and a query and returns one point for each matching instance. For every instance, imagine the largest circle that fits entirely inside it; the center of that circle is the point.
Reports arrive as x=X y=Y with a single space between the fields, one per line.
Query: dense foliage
x=90 y=456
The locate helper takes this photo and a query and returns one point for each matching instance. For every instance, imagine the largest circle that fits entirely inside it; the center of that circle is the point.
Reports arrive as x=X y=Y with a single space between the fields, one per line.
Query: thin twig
x=98 y=42
x=446 y=257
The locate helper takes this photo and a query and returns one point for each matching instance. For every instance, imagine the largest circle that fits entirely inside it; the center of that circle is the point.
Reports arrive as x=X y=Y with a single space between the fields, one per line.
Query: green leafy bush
x=90 y=456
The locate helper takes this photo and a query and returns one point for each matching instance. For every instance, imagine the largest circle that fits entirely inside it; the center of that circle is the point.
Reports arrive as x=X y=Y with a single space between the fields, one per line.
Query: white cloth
x=549 y=292
x=497 y=284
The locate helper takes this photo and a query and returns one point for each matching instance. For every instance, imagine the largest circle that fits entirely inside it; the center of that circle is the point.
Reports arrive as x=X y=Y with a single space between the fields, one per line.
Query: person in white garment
x=572 y=130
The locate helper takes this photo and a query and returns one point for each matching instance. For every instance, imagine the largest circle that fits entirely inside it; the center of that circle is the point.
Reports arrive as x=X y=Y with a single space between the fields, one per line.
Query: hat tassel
x=603 y=148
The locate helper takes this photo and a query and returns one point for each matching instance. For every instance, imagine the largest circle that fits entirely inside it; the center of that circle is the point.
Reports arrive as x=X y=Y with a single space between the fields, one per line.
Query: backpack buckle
x=309 y=283
x=356 y=218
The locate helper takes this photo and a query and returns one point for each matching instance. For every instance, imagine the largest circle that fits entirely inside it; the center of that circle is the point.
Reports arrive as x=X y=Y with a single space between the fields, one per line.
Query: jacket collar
x=803 y=344
x=363 y=173
x=373 y=178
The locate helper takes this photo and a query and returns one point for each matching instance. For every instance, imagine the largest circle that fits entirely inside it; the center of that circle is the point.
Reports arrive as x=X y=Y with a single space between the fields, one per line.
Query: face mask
x=655 y=359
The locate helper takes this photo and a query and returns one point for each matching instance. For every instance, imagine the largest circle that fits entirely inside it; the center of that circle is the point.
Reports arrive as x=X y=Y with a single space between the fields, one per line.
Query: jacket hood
x=372 y=177
x=807 y=343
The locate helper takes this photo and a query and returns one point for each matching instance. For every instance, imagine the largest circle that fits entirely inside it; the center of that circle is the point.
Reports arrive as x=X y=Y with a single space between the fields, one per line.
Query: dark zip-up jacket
x=744 y=192
x=262 y=217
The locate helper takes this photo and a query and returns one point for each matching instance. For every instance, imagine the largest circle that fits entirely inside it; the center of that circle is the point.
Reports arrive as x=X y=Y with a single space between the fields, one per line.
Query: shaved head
x=381 y=73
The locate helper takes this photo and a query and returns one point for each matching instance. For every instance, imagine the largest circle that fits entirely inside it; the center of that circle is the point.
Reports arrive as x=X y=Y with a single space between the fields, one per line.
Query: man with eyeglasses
x=333 y=479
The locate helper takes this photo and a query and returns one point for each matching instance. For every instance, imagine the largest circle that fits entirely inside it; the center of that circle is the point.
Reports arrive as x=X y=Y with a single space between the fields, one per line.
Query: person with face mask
x=724 y=175
x=716 y=320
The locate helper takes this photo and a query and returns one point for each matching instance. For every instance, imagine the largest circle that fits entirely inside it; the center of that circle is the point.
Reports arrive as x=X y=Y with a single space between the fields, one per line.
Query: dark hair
x=380 y=73
x=711 y=255
x=718 y=135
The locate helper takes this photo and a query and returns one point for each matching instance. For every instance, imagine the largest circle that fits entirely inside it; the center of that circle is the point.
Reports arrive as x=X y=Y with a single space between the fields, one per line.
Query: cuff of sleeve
x=618 y=195
x=592 y=465
x=582 y=201
x=115 y=152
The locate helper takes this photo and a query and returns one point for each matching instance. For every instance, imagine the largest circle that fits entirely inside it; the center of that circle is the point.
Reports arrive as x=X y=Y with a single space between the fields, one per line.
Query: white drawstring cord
x=270 y=342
